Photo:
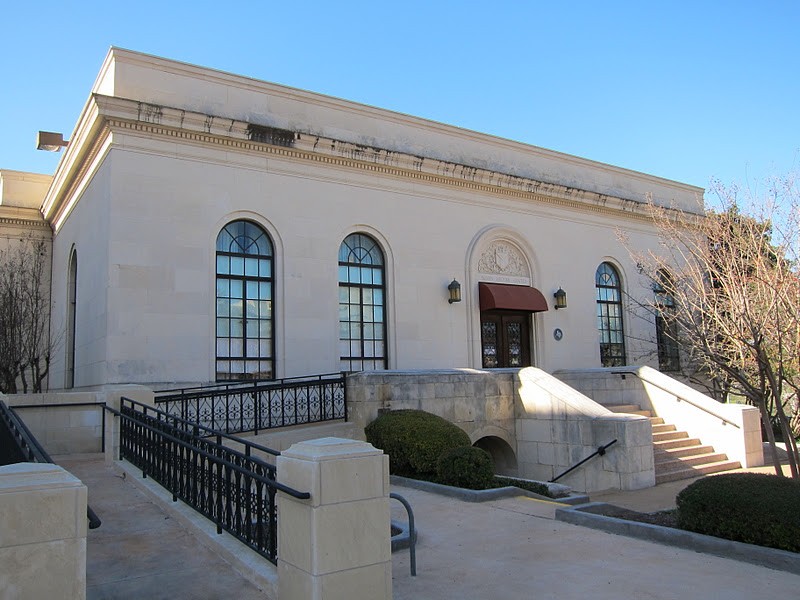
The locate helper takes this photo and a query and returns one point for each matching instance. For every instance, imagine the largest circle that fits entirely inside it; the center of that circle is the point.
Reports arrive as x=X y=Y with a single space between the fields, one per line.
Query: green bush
x=466 y=467
x=414 y=440
x=746 y=507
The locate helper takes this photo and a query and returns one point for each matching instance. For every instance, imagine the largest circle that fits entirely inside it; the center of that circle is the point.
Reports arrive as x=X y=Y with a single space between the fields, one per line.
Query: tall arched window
x=72 y=297
x=245 y=340
x=362 y=314
x=609 y=316
x=666 y=326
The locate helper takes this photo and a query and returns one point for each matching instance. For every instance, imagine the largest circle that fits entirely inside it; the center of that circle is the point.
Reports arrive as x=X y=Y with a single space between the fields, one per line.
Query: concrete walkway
x=139 y=551
x=504 y=549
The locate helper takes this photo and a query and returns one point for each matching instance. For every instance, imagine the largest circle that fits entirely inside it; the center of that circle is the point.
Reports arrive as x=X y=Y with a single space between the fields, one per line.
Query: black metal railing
x=18 y=444
x=601 y=450
x=239 y=407
x=233 y=488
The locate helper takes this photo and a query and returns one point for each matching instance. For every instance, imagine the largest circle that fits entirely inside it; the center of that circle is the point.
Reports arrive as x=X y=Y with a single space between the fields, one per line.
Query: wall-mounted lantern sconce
x=561 y=299
x=455 y=291
x=49 y=141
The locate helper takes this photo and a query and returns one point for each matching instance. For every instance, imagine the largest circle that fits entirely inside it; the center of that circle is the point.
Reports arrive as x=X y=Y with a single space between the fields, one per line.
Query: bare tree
x=734 y=280
x=25 y=343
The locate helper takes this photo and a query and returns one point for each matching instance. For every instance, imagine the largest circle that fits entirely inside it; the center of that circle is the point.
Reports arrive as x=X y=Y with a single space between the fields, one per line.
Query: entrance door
x=505 y=339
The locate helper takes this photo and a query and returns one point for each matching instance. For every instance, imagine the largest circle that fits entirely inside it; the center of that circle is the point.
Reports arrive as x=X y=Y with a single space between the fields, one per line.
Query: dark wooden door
x=505 y=339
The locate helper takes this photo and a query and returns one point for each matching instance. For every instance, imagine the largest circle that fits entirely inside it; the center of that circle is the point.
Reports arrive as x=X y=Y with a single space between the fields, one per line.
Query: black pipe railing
x=412 y=532
x=601 y=450
x=18 y=444
x=259 y=405
x=233 y=489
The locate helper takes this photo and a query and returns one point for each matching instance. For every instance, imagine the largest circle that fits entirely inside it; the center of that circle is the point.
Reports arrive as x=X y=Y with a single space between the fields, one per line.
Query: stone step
x=697 y=471
x=628 y=409
x=669 y=463
x=667 y=436
x=663 y=427
x=676 y=443
x=681 y=451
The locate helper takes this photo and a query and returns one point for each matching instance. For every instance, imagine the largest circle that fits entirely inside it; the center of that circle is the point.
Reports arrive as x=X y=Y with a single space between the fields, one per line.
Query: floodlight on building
x=561 y=298
x=50 y=141
x=454 y=290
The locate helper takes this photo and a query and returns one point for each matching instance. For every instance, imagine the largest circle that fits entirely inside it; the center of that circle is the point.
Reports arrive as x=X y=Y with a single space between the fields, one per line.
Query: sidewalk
x=140 y=552
x=504 y=549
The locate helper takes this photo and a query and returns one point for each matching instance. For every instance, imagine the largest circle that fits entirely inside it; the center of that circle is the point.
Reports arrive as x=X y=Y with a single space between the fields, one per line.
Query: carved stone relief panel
x=502 y=259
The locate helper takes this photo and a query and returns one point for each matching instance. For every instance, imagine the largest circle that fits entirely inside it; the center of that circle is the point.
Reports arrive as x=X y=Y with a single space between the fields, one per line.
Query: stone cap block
x=330 y=448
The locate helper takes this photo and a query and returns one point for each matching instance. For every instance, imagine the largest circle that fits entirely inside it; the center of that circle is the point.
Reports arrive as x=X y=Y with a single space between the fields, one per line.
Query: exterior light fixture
x=49 y=141
x=561 y=299
x=455 y=291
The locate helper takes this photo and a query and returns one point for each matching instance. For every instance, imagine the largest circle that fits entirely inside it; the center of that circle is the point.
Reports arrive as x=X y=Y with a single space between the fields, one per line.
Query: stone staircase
x=676 y=455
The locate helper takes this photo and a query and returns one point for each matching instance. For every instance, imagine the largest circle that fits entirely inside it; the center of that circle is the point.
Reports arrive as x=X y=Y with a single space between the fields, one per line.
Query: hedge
x=754 y=508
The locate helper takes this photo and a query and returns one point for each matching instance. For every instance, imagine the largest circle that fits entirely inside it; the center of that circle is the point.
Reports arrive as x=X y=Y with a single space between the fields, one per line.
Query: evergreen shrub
x=466 y=467
x=414 y=440
x=754 y=508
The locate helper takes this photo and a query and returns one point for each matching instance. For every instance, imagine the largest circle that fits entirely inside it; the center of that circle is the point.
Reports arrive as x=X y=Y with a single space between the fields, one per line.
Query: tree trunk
x=776 y=462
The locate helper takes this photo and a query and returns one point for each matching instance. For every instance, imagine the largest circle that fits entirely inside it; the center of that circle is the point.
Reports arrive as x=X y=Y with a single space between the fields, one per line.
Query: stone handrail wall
x=557 y=427
x=730 y=428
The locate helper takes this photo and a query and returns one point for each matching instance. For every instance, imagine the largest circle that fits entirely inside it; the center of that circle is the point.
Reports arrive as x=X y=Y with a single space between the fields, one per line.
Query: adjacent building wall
x=165 y=154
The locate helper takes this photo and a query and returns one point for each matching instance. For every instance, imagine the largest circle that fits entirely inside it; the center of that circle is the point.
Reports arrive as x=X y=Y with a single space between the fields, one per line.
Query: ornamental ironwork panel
x=236 y=408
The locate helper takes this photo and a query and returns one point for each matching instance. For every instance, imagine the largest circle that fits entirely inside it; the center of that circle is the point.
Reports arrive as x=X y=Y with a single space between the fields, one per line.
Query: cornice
x=363 y=111
x=26 y=223
x=171 y=123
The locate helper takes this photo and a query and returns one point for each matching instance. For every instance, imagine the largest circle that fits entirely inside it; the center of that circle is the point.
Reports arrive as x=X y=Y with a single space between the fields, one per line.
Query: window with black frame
x=666 y=325
x=362 y=304
x=244 y=314
x=609 y=316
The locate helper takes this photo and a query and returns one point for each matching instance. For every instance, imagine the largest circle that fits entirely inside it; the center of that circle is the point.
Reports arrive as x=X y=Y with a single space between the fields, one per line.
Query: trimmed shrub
x=466 y=467
x=754 y=508
x=414 y=440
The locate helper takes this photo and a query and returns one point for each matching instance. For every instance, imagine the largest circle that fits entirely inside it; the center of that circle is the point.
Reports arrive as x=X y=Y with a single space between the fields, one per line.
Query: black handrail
x=210 y=455
x=233 y=489
x=601 y=450
x=198 y=427
x=33 y=451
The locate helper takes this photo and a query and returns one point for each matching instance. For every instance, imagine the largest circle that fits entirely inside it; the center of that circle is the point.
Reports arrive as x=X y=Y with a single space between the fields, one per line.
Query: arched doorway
x=506 y=316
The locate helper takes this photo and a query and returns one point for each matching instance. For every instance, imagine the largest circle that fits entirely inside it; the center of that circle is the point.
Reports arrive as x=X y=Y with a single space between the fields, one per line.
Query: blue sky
x=684 y=90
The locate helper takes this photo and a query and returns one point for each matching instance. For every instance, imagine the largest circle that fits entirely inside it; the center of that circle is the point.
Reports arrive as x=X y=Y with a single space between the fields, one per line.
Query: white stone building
x=210 y=226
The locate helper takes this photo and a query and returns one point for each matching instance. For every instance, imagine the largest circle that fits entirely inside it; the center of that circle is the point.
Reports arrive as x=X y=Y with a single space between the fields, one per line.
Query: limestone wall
x=480 y=402
x=72 y=422
x=549 y=425
x=64 y=423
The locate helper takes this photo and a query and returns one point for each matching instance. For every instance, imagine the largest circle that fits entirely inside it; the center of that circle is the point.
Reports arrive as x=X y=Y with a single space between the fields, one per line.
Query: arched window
x=362 y=314
x=245 y=340
x=609 y=316
x=72 y=297
x=666 y=326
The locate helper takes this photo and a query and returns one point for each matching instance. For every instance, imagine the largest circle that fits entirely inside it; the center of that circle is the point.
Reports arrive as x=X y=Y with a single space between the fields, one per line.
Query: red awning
x=511 y=297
